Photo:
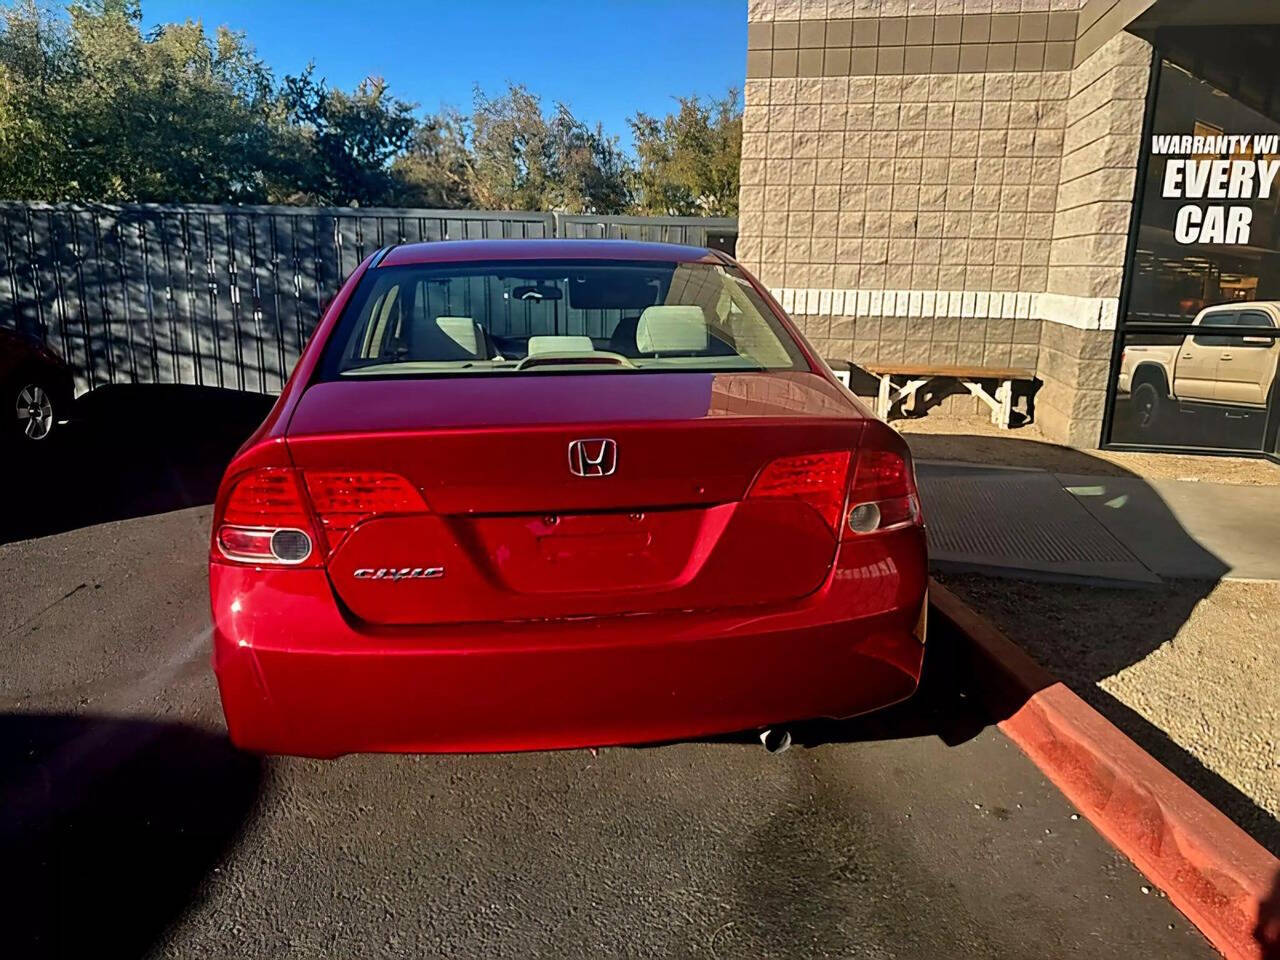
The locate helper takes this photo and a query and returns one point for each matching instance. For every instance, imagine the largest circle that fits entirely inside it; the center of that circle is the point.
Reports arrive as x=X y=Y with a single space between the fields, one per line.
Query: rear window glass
x=535 y=315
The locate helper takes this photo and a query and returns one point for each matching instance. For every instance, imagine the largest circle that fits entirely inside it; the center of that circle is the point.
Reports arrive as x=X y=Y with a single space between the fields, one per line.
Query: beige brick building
x=950 y=181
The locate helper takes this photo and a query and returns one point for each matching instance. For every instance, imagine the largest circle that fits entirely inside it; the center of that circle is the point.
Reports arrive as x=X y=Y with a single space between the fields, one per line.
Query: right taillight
x=882 y=494
x=265 y=520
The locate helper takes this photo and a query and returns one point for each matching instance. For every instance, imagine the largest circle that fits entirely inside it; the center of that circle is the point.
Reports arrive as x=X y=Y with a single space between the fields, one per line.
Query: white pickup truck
x=1210 y=367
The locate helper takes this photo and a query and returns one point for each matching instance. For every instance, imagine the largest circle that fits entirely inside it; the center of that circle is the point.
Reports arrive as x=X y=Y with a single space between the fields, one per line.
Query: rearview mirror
x=537 y=293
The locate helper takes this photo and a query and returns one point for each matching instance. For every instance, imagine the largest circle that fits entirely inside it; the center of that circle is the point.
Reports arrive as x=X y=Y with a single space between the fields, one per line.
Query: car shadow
x=129 y=451
x=1084 y=633
x=110 y=827
x=944 y=705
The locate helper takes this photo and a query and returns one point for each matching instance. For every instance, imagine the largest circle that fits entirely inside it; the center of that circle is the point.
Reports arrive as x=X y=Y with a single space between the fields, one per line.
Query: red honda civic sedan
x=555 y=493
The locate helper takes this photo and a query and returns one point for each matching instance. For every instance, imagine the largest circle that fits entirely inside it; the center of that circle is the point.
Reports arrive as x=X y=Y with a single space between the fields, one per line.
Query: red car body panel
x=27 y=356
x=663 y=601
x=298 y=676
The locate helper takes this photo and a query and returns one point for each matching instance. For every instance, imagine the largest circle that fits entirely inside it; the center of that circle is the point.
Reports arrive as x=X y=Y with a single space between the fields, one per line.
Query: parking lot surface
x=133 y=828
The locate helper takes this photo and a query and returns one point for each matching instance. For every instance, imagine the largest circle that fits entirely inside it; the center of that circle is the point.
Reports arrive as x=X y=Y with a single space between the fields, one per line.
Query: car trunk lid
x=660 y=520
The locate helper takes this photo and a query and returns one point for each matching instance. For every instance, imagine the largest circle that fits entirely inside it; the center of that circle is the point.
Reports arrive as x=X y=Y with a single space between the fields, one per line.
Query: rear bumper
x=298 y=677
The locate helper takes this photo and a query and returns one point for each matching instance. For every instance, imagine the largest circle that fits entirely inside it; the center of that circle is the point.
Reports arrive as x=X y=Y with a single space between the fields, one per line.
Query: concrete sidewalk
x=1097 y=529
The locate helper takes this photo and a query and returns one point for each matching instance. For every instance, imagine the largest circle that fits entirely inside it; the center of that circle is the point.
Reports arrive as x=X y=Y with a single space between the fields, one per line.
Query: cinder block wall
x=1090 y=234
x=902 y=176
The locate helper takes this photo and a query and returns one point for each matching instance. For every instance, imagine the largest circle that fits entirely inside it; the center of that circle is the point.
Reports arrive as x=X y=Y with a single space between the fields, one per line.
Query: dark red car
x=531 y=494
x=36 y=388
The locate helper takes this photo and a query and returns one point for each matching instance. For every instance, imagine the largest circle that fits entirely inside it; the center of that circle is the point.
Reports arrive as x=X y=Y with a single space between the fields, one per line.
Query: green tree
x=341 y=145
x=434 y=170
x=95 y=110
x=523 y=159
x=510 y=152
x=687 y=162
x=592 y=173
x=36 y=59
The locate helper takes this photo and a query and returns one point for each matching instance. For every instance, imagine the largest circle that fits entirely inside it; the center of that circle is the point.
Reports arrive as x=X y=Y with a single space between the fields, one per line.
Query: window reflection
x=1207 y=257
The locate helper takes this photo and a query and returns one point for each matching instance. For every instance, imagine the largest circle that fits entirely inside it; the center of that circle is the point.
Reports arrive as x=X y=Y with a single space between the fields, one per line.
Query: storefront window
x=1198 y=367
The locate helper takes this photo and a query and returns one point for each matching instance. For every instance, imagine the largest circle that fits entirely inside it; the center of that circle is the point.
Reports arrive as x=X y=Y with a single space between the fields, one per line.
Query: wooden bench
x=973 y=378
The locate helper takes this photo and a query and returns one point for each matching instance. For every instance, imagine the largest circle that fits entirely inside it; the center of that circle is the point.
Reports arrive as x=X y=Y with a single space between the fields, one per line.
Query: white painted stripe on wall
x=1083 y=313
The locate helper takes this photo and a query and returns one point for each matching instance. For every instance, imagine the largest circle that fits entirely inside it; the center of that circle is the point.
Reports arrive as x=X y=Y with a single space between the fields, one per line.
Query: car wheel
x=31 y=411
x=1146 y=404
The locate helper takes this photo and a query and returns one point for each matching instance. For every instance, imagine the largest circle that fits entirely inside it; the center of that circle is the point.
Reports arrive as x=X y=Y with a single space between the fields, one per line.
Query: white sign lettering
x=1203 y=173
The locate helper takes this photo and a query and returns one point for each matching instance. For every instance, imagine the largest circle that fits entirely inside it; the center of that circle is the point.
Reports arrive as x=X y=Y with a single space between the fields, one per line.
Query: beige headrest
x=672 y=328
x=560 y=344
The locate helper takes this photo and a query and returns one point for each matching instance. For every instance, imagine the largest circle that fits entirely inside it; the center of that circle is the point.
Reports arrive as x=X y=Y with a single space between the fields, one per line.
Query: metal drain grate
x=1022 y=520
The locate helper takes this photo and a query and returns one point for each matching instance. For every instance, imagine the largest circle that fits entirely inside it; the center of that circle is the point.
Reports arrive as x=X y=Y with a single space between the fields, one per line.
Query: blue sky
x=605 y=58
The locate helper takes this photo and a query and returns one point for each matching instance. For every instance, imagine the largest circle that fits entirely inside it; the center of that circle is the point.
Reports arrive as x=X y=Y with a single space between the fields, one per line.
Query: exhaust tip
x=776 y=739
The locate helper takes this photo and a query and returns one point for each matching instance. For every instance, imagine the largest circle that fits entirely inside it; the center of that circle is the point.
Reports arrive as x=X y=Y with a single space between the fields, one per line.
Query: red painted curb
x=1222 y=879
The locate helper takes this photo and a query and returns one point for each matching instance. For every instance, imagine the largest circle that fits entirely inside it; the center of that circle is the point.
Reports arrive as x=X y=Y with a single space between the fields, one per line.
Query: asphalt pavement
x=130 y=827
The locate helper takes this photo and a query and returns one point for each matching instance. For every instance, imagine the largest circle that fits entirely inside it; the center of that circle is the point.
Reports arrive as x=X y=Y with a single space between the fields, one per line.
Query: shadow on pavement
x=129 y=451
x=1084 y=633
x=941 y=706
x=137 y=450
x=1011 y=451
x=110 y=826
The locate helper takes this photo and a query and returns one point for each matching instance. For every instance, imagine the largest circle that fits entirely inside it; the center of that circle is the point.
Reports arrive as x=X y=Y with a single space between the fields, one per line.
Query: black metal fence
x=227 y=296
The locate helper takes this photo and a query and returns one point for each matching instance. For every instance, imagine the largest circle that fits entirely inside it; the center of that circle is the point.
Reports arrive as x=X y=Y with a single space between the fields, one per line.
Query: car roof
x=1272 y=305
x=463 y=251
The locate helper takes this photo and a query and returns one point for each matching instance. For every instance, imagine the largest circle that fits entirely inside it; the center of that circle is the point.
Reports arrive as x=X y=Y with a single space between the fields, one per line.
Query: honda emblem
x=593 y=458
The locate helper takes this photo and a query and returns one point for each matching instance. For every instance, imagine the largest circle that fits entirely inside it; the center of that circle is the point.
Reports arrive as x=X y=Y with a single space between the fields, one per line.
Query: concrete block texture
x=946 y=151
x=1101 y=150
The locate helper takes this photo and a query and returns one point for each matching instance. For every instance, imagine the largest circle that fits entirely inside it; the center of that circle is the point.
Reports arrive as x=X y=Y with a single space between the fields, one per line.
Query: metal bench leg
x=883 y=402
x=911 y=390
x=1005 y=395
x=975 y=387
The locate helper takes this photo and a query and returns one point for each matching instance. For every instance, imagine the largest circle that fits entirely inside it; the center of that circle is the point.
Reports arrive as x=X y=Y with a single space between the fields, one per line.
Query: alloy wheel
x=35 y=411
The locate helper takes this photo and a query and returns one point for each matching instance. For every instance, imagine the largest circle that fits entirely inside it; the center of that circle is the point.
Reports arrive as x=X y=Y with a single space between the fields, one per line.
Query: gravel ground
x=974 y=440
x=1187 y=669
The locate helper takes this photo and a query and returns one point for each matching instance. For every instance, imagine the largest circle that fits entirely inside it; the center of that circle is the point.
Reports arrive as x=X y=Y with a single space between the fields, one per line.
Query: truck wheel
x=1146 y=402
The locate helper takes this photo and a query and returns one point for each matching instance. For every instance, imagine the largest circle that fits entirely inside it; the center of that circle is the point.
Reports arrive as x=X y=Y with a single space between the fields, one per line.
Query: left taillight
x=343 y=499
x=278 y=515
x=265 y=520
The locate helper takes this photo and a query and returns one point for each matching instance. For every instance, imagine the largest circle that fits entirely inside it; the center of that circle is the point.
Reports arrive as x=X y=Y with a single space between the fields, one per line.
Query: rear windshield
x=555 y=316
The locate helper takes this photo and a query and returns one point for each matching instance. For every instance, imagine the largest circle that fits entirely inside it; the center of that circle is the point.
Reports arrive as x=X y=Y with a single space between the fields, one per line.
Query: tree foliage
x=346 y=141
x=94 y=108
x=524 y=159
x=688 y=161
x=434 y=169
